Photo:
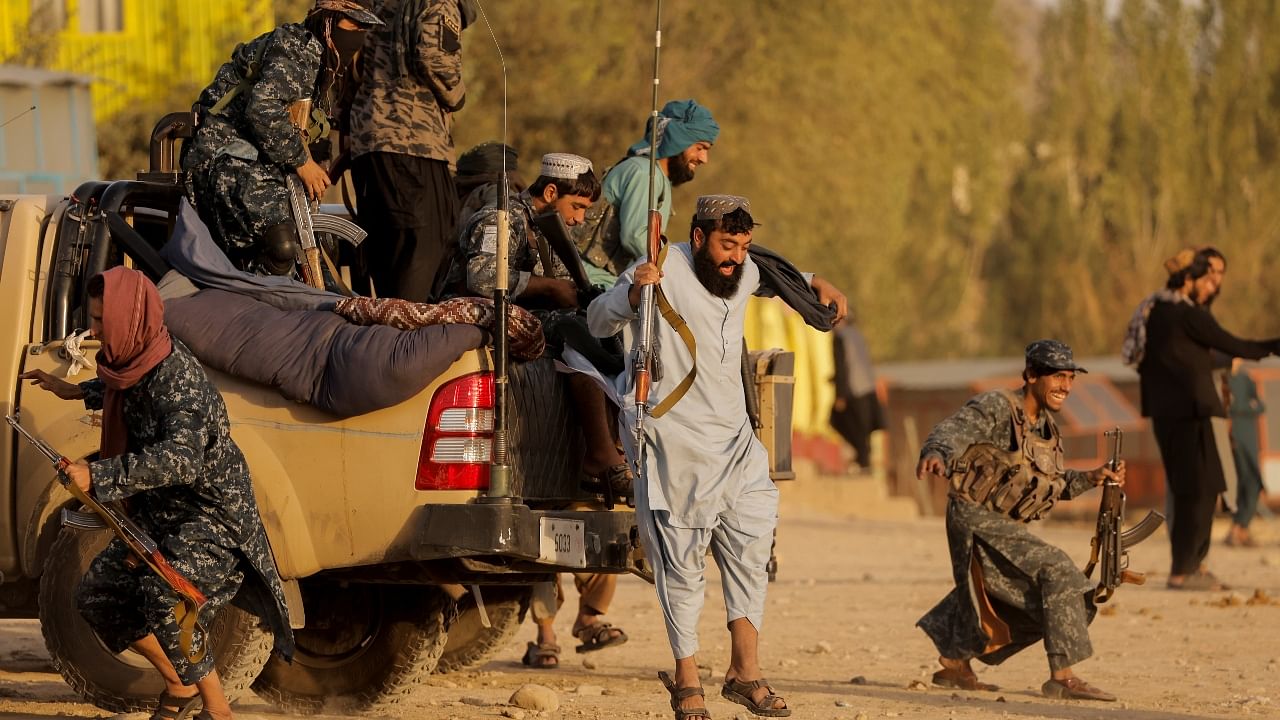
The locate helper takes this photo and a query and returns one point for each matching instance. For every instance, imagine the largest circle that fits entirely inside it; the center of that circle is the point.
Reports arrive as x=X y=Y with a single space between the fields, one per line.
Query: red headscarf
x=134 y=341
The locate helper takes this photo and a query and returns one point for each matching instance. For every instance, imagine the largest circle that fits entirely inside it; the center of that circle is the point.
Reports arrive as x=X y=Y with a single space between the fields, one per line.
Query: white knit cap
x=564 y=166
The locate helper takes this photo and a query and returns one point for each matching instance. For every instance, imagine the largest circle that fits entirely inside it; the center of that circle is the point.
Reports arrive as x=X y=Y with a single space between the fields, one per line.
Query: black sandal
x=740 y=692
x=678 y=694
x=166 y=704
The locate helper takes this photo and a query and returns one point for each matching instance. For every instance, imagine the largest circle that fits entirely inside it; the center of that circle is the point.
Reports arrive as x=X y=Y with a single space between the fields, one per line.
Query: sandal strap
x=746 y=687
x=685 y=693
x=593 y=631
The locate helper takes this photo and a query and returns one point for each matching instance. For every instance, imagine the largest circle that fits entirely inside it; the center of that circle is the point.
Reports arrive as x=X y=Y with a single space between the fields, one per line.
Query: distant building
x=51 y=148
x=133 y=49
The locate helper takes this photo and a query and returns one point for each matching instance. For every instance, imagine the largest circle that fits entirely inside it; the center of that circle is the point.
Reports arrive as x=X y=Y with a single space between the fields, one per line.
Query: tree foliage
x=976 y=173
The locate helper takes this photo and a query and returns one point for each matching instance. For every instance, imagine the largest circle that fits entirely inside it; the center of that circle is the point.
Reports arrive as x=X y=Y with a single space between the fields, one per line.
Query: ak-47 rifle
x=643 y=365
x=300 y=205
x=187 y=610
x=1111 y=543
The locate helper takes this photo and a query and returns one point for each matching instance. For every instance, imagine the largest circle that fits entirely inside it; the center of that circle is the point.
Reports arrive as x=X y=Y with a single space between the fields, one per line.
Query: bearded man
x=705 y=476
x=615 y=230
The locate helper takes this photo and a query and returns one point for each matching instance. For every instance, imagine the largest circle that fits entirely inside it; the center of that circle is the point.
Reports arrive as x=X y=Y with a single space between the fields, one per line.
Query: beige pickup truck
x=372 y=564
x=397 y=561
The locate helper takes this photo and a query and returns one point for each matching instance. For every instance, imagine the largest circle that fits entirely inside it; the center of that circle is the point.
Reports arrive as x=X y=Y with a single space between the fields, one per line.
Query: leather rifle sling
x=678 y=324
x=187 y=616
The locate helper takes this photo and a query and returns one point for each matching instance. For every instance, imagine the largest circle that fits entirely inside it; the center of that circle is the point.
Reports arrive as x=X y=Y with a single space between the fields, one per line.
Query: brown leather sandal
x=541 y=655
x=740 y=692
x=678 y=694
x=961 y=680
x=598 y=636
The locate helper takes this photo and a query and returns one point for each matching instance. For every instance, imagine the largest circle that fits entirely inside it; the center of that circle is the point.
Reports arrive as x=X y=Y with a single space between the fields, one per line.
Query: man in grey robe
x=705 y=480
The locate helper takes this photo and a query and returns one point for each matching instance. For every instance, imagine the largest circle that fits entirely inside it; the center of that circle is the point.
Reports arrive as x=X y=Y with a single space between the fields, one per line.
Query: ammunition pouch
x=1005 y=482
x=599 y=238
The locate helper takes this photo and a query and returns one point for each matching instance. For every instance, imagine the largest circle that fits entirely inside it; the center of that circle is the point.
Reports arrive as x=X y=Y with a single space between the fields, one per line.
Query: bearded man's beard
x=678 y=170
x=708 y=273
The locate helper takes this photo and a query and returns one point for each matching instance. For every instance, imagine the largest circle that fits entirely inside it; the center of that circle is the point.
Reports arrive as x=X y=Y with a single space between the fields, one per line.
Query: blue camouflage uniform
x=237 y=162
x=188 y=487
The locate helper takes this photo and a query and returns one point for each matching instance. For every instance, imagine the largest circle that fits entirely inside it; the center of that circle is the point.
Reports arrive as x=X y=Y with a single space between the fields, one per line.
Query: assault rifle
x=187 y=610
x=1110 y=544
x=300 y=205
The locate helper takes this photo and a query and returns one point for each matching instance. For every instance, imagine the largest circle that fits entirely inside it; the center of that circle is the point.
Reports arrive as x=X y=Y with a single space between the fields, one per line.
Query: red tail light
x=458 y=440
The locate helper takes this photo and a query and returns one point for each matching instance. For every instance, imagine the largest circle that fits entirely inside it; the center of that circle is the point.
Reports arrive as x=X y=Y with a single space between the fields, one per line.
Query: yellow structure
x=770 y=323
x=135 y=50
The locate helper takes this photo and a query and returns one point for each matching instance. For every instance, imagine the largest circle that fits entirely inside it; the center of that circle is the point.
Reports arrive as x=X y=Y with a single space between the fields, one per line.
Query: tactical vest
x=1022 y=482
x=599 y=235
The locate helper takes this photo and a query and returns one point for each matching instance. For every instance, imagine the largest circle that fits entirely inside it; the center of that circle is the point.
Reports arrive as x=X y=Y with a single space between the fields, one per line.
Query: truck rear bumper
x=512 y=531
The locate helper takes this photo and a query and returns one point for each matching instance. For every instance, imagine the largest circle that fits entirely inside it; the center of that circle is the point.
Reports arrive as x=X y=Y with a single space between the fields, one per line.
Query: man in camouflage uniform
x=616 y=231
x=1012 y=588
x=245 y=143
x=541 y=282
x=401 y=142
x=167 y=449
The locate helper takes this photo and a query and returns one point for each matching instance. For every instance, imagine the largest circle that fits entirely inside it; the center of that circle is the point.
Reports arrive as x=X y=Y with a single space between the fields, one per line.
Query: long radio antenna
x=501 y=488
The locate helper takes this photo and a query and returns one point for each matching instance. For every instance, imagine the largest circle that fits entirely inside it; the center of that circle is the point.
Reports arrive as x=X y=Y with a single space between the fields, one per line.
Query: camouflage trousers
x=1033 y=587
x=124 y=604
x=238 y=200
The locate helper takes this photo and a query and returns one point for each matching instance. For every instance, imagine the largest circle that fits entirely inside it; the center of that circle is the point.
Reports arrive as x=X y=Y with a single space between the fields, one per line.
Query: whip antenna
x=500 y=485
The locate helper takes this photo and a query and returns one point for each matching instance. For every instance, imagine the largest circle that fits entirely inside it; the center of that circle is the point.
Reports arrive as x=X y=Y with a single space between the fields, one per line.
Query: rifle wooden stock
x=135 y=538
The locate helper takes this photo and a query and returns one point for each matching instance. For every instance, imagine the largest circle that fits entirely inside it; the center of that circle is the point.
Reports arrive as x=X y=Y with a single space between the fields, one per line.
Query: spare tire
x=365 y=648
x=126 y=682
x=470 y=643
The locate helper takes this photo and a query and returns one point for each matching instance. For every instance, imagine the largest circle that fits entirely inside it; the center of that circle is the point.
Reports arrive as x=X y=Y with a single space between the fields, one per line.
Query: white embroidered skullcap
x=564 y=166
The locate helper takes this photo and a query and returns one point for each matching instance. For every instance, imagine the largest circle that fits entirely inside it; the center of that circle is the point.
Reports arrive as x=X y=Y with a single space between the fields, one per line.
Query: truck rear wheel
x=470 y=643
x=365 y=647
x=126 y=682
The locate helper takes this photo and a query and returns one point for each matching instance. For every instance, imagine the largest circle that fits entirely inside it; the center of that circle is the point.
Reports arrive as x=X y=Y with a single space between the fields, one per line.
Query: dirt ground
x=839 y=642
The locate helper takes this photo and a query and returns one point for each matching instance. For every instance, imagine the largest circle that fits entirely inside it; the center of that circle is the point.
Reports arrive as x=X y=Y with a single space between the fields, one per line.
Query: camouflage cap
x=1053 y=355
x=714 y=207
x=355 y=11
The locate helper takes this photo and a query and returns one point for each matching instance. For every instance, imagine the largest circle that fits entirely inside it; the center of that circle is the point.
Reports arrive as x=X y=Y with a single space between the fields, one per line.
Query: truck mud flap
x=515 y=532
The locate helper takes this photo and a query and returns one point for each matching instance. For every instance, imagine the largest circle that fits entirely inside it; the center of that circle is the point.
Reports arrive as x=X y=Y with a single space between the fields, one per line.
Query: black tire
x=365 y=648
x=126 y=682
x=470 y=643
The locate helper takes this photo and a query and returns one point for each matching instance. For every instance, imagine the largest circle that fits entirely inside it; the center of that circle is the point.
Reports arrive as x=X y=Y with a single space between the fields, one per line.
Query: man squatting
x=167 y=448
x=705 y=481
x=1012 y=588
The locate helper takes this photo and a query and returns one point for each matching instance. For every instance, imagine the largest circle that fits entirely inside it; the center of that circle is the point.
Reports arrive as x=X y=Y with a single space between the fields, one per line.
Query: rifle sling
x=678 y=324
x=187 y=615
x=246 y=82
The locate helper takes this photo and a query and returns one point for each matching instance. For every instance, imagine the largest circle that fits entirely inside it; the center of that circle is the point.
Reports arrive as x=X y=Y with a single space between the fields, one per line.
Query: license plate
x=562 y=542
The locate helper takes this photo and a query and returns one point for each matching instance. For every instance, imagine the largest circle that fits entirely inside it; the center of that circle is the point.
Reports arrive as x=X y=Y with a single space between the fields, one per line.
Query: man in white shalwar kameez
x=706 y=477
